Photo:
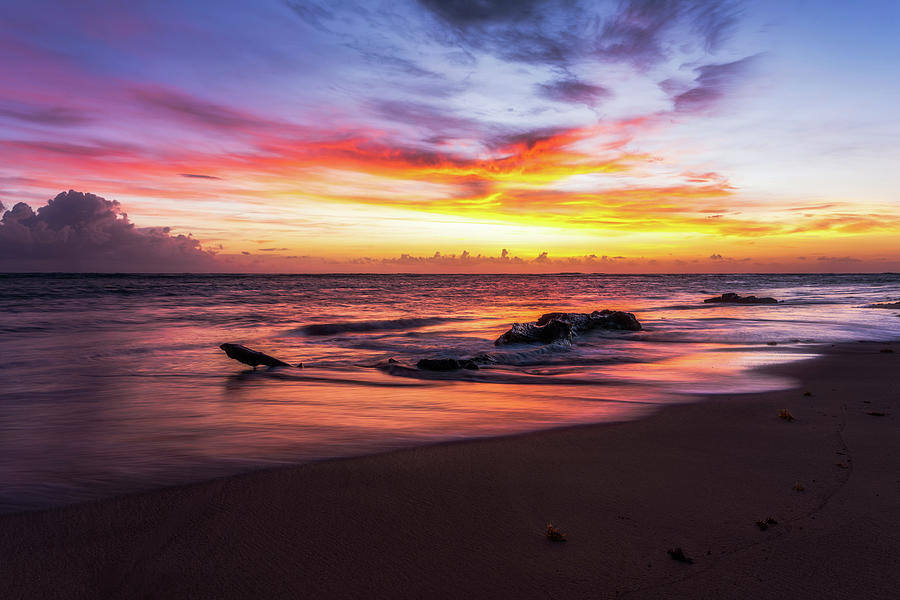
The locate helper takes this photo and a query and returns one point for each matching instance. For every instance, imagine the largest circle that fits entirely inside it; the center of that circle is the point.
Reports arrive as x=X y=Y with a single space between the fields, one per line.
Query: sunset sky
x=528 y=135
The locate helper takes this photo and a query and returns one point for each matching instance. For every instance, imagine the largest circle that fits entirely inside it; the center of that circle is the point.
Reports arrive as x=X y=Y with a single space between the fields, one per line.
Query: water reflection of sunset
x=122 y=375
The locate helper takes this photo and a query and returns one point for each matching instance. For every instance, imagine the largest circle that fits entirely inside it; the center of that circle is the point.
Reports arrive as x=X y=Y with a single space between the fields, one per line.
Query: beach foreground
x=468 y=519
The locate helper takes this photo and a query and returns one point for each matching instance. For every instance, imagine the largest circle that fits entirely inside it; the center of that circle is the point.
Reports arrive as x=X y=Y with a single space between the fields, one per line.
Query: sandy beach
x=468 y=519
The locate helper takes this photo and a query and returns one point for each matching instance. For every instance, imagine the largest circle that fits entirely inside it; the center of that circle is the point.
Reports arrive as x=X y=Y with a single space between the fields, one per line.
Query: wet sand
x=467 y=520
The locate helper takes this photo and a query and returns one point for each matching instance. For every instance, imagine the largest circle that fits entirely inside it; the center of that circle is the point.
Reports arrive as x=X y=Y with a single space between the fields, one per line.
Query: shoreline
x=650 y=409
x=467 y=517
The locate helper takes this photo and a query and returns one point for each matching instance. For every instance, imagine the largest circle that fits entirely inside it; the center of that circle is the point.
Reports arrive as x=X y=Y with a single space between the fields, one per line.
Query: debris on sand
x=554 y=535
x=678 y=554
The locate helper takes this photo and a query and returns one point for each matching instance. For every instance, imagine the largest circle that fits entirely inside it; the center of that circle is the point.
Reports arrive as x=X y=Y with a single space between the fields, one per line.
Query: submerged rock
x=735 y=298
x=250 y=357
x=560 y=327
x=484 y=359
x=447 y=364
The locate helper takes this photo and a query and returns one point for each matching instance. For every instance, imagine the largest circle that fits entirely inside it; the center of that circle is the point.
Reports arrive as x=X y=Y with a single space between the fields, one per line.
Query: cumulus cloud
x=82 y=232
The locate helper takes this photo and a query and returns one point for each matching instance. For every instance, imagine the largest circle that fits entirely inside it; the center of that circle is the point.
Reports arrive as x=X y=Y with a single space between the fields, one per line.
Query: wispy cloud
x=181 y=106
x=53 y=116
x=199 y=176
x=562 y=32
x=571 y=118
x=573 y=90
x=711 y=84
x=639 y=31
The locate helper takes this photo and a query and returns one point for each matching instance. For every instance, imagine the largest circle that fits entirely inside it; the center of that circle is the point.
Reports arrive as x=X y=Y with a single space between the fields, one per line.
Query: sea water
x=115 y=383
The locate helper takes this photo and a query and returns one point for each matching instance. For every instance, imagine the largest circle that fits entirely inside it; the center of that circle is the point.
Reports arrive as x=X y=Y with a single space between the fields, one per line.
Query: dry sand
x=467 y=520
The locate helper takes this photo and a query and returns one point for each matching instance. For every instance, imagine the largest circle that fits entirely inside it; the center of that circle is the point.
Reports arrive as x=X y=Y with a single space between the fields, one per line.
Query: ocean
x=115 y=383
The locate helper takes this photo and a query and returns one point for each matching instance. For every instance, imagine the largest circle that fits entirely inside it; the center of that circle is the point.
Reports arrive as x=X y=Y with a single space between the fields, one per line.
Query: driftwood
x=250 y=357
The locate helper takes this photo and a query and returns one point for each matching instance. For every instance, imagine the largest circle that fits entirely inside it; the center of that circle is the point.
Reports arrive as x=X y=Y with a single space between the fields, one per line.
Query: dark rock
x=528 y=333
x=558 y=327
x=578 y=321
x=736 y=299
x=615 y=319
x=446 y=364
x=599 y=319
x=251 y=357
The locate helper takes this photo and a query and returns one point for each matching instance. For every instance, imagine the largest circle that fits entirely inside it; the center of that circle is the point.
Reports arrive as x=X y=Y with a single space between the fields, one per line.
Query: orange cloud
x=588 y=179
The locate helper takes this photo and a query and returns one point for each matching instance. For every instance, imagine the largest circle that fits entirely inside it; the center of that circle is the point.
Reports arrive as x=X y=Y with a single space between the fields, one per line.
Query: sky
x=450 y=136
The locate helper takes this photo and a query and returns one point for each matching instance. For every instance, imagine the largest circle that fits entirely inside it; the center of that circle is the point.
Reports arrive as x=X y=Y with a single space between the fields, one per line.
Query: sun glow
x=666 y=158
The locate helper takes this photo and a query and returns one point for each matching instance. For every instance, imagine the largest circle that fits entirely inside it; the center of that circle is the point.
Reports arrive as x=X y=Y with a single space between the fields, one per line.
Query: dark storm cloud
x=574 y=91
x=84 y=232
x=711 y=84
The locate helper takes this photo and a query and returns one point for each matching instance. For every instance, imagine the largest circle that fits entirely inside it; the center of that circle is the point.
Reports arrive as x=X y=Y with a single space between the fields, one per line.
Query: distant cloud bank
x=81 y=232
